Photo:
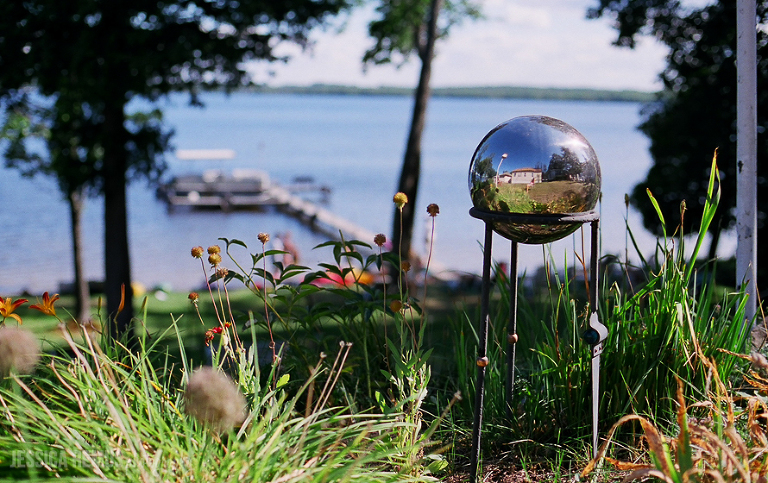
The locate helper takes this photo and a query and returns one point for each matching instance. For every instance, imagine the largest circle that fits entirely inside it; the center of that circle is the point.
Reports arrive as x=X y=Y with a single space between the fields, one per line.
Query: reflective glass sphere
x=534 y=165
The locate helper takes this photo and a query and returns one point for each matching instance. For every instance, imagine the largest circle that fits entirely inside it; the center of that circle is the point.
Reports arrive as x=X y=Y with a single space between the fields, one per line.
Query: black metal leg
x=593 y=266
x=511 y=327
x=482 y=359
x=600 y=331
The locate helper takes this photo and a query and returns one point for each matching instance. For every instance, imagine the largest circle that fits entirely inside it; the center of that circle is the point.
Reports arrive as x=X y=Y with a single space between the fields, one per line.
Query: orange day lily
x=47 y=306
x=7 y=307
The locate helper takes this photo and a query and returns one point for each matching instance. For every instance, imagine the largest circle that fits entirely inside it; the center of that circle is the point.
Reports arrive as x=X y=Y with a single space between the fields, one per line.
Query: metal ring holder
x=593 y=336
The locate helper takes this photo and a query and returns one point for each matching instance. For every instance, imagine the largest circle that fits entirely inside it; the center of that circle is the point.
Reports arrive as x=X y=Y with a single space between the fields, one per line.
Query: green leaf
x=233 y=242
x=356 y=255
x=330 y=243
x=283 y=381
x=359 y=243
x=658 y=210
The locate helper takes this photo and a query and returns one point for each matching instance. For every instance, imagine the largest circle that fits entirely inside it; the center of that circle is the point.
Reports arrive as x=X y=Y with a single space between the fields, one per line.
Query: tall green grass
x=655 y=330
x=93 y=415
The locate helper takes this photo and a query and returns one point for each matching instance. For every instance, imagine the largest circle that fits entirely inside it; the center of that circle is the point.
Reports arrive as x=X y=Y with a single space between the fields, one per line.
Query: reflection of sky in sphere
x=530 y=142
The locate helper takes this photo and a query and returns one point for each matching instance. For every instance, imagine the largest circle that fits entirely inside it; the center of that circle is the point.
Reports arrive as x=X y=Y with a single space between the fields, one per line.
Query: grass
x=111 y=416
x=362 y=381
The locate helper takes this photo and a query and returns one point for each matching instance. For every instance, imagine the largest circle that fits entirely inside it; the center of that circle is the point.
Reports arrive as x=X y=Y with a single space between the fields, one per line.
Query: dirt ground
x=507 y=472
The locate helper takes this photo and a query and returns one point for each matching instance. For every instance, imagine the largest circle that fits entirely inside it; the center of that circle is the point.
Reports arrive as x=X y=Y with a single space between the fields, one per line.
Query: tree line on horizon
x=492 y=92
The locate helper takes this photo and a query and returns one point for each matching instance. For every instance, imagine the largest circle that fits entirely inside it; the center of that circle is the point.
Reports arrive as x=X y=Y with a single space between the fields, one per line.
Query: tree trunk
x=117 y=267
x=409 y=174
x=82 y=293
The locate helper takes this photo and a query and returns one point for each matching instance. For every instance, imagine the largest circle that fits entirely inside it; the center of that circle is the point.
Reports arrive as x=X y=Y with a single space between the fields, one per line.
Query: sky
x=536 y=43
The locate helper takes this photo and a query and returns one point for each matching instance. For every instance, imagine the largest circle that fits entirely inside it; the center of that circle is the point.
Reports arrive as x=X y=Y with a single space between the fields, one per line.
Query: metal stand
x=594 y=335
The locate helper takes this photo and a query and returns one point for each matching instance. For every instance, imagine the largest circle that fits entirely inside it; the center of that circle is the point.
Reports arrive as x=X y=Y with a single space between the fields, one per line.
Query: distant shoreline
x=491 y=92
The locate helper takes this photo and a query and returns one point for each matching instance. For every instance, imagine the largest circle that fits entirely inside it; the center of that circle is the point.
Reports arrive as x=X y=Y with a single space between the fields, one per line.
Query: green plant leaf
x=658 y=210
x=282 y=381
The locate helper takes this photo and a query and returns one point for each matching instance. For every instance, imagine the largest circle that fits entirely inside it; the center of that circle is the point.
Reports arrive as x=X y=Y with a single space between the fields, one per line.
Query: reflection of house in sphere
x=534 y=165
x=522 y=175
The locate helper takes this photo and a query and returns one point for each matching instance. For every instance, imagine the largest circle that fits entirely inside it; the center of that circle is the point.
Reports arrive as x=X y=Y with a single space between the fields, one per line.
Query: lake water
x=353 y=144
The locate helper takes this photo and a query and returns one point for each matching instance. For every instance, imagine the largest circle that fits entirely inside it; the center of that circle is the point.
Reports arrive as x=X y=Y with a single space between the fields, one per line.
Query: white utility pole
x=746 y=150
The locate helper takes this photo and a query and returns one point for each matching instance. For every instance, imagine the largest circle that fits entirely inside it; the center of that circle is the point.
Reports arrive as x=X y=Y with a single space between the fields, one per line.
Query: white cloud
x=546 y=43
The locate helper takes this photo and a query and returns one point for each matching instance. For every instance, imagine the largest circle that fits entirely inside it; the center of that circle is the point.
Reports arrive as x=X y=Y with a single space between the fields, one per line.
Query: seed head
x=433 y=210
x=263 y=238
x=214 y=249
x=222 y=272
x=197 y=252
x=19 y=351
x=214 y=399
x=400 y=199
x=396 y=306
x=194 y=297
x=214 y=259
x=380 y=240
x=758 y=360
x=405 y=266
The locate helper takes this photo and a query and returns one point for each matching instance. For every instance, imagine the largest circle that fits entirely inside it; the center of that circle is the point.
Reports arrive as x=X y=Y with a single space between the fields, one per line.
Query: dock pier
x=317 y=217
x=253 y=190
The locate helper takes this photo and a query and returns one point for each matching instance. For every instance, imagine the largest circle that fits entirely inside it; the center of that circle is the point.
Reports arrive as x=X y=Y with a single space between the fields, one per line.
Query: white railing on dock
x=317 y=217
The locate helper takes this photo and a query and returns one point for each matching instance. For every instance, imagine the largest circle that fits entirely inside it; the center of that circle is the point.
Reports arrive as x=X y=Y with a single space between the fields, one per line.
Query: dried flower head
x=396 y=306
x=380 y=240
x=197 y=252
x=214 y=259
x=194 y=297
x=213 y=399
x=405 y=266
x=19 y=351
x=221 y=272
x=433 y=210
x=400 y=199
x=263 y=238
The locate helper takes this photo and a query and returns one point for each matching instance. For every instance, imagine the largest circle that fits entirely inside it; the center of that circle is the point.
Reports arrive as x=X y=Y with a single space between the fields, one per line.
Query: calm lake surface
x=353 y=144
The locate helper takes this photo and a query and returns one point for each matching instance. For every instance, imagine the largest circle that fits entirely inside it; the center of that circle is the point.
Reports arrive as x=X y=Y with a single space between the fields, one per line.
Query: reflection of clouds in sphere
x=534 y=165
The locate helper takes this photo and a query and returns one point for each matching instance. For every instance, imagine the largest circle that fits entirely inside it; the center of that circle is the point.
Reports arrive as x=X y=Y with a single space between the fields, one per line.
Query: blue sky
x=543 y=43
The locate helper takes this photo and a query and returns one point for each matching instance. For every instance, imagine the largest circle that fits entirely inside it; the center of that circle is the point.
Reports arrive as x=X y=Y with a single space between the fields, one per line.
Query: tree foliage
x=696 y=111
x=93 y=57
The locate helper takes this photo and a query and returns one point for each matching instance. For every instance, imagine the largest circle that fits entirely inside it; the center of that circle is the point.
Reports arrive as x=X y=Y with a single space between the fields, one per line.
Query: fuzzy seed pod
x=213 y=399
x=19 y=351
x=758 y=360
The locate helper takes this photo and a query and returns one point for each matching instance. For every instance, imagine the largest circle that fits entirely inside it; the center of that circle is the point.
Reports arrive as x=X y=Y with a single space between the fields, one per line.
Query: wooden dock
x=252 y=190
x=317 y=217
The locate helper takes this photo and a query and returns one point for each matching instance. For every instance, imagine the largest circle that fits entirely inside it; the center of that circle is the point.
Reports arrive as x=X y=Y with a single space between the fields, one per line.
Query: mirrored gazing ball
x=534 y=165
